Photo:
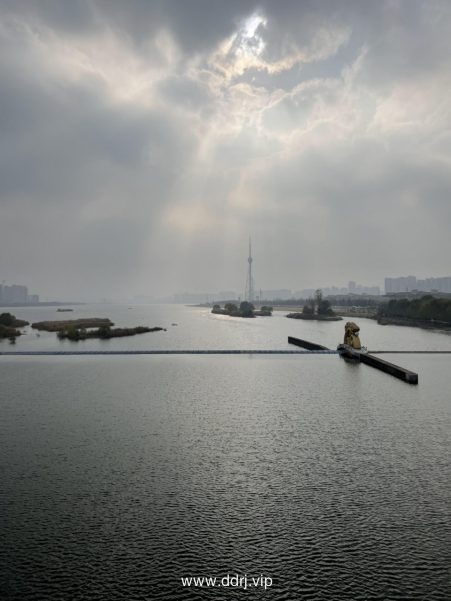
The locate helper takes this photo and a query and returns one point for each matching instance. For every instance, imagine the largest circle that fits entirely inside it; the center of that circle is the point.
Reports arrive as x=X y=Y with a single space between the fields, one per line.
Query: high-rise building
x=410 y=284
x=16 y=295
x=402 y=284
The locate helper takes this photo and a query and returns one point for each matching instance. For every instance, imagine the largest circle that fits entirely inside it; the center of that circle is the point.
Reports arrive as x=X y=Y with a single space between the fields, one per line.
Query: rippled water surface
x=121 y=475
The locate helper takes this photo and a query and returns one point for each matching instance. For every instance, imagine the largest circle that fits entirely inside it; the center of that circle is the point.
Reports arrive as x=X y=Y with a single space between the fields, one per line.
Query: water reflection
x=121 y=475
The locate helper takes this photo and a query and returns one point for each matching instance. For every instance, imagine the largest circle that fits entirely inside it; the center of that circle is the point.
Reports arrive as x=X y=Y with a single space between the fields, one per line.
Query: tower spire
x=249 y=292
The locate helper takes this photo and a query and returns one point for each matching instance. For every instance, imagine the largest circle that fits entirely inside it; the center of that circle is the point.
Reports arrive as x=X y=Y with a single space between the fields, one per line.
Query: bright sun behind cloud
x=251 y=42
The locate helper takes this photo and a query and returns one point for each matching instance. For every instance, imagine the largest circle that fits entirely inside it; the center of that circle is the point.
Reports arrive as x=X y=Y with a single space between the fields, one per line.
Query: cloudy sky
x=143 y=141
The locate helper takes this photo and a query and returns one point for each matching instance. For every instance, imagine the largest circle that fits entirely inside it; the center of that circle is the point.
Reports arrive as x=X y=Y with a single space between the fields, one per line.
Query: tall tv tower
x=249 y=292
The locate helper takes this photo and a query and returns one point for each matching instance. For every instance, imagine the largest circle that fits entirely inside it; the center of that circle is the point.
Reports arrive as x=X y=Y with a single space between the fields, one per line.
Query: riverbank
x=315 y=317
x=355 y=314
x=428 y=324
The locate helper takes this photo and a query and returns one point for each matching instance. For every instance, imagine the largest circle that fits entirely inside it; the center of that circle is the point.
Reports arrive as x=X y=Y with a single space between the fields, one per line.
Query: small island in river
x=315 y=317
x=61 y=324
x=104 y=332
x=90 y=327
x=245 y=309
x=317 y=308
x=9 y=324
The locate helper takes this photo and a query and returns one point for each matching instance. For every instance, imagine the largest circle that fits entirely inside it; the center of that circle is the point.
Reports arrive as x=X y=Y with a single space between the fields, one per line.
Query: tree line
x=424 y=308
x=317 y=305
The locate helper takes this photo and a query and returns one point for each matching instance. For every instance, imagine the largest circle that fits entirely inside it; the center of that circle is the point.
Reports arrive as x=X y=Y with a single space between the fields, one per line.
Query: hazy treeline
x=424 y=308
x=341 y=301
x=353 y=301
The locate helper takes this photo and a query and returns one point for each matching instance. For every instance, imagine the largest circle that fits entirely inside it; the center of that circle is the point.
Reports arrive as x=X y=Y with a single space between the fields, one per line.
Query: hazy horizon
x=142 y=143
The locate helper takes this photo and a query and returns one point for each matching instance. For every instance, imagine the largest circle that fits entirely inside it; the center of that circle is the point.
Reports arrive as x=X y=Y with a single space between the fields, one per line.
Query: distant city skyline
x=18 y=294
x=392 y=285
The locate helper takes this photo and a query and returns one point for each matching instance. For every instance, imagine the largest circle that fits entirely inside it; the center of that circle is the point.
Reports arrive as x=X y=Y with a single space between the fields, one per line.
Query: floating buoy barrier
x=171 y=352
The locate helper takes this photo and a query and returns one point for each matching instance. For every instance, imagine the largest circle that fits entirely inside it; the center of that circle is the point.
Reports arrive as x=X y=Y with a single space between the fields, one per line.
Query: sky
x=143 y=142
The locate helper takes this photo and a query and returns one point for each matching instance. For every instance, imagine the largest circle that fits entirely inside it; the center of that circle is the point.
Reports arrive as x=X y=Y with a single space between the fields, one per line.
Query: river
x=122 y=475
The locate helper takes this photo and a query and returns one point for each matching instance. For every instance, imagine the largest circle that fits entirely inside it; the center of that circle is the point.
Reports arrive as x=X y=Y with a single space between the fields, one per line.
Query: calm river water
x=122 y=475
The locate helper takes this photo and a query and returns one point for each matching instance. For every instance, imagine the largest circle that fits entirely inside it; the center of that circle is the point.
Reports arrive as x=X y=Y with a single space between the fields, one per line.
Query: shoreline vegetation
x=61 y=324
x=317 y=309
x=9 y=324
x=72 y=329
x=427 y=324
x=245 y=309
x=104 y=332
x=90 y=327
x=315 y=317
x=426 y=312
